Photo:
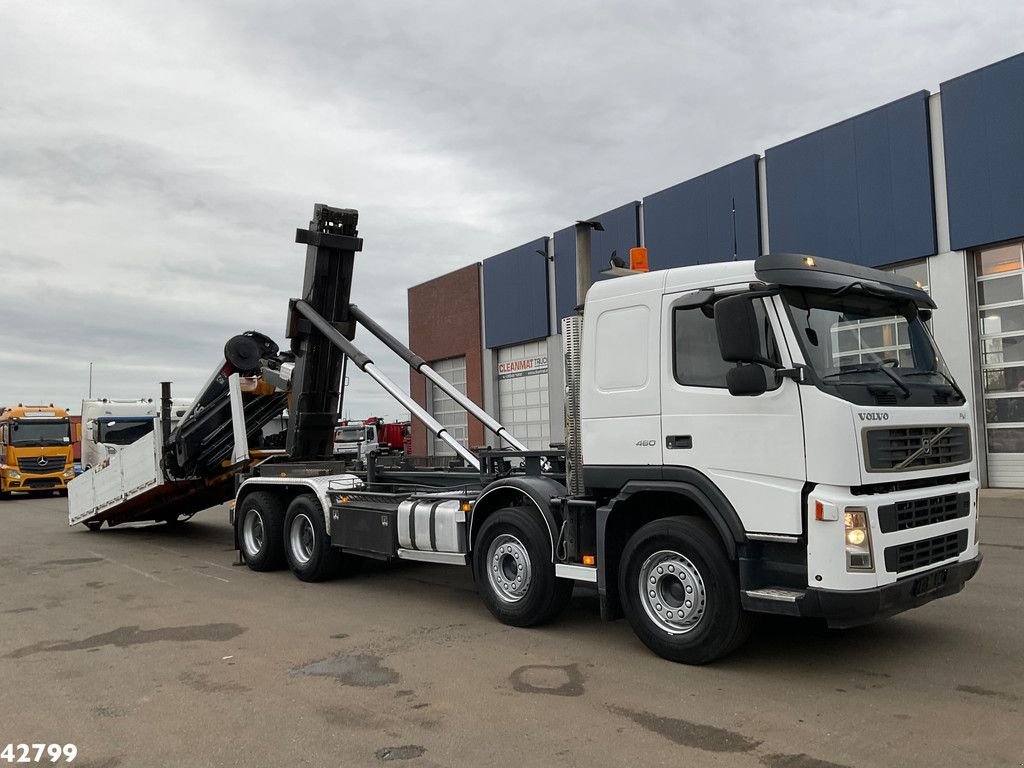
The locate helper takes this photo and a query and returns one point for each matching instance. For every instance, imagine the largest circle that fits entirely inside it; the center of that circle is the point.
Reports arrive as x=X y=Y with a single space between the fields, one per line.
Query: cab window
x=697 y=360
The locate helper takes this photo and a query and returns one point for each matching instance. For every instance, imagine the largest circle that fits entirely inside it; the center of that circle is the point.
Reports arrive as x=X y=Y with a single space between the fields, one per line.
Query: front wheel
x=680 y=592
x=513 y=569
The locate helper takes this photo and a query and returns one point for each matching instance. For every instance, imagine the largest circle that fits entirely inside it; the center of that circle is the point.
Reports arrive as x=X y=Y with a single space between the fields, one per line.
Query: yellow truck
x=35 y=449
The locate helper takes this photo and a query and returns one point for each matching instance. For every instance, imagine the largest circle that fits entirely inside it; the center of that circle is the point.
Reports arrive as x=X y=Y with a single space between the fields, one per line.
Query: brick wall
x=444 y=321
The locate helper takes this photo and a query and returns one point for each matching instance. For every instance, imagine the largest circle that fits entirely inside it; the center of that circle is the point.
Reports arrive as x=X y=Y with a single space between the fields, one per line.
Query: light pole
x=90 y=380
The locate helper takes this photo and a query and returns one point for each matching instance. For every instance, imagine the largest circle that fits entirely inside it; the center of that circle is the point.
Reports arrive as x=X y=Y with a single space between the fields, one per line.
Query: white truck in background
x=109 y=425
x=354 y=440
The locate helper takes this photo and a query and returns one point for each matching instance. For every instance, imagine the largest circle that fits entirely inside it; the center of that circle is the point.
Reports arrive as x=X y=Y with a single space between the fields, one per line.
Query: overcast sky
x=156 y=157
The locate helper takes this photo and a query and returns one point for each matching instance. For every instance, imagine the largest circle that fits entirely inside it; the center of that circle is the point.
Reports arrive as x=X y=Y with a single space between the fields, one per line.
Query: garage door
x=523 y=392
x=446 y=410
x=1001 y=327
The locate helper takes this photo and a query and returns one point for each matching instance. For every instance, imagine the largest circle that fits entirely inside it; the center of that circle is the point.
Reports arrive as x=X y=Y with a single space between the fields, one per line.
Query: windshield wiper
x=948 y=379
x=872 y=368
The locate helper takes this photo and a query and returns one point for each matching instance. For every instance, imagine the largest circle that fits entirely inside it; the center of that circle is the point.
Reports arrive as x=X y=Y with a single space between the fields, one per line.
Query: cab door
x=751 y=448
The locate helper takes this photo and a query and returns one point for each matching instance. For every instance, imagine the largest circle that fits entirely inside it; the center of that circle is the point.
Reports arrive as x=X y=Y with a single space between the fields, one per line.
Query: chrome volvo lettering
x=874 y=416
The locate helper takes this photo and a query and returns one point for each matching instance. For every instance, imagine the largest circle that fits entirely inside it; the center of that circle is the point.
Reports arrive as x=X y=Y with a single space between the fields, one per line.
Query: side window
x=697 y=360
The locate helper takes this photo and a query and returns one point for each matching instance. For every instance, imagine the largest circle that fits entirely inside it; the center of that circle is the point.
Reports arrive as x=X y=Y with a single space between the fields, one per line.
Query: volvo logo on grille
x=927 y=446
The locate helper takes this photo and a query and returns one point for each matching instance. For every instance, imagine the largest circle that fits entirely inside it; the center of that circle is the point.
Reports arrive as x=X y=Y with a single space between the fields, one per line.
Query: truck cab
x=110 y=425
x=35 y=449
x=353 y=441
x=797 y=408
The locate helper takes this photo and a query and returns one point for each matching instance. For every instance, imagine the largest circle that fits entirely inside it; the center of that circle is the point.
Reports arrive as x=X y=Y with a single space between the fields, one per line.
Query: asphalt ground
x=149 y=647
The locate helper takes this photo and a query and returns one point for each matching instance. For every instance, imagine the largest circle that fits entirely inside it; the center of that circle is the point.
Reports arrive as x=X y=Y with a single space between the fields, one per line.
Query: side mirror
x=739 y=337
x=746 y=380
x=739 y=341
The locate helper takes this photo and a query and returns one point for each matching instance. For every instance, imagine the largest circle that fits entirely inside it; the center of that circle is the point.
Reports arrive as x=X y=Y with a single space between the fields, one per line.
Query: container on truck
x=187 y=459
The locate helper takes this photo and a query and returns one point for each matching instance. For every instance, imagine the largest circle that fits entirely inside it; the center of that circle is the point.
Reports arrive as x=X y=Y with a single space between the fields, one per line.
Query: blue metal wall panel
x=983 y=141
x=860 y=190
x=565 y=273
x=693 y=222
x=621 y=232
x=516 y=295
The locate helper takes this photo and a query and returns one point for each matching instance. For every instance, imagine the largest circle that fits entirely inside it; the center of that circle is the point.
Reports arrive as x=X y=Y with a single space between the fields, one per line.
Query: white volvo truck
x=778 y=436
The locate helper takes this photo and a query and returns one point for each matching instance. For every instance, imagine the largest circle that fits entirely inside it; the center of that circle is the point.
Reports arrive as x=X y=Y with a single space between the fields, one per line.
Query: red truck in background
x=392 y=437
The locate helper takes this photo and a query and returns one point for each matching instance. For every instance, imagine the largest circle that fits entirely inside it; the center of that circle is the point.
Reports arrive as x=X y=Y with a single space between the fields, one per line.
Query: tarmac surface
x=148 y=647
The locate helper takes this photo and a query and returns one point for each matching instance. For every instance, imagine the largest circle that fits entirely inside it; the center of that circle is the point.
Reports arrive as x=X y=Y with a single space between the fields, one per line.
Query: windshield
x=869 y=350
x=122 y=431
x=348 y=434
x=40 y=433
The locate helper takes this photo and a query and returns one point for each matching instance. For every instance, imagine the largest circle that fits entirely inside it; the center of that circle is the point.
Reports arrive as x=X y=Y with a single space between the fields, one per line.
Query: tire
x=94 y=525
x=306 y=544
x=261 y=531
x=674 y=564
x=513 y=569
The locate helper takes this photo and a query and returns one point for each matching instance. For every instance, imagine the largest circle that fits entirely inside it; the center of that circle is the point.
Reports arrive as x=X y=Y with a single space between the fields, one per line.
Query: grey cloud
x=157 y=156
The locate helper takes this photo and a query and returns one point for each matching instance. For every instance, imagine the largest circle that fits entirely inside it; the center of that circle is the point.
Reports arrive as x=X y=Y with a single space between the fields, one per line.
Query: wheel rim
x=252 y=532
x=672 y=592
x=301 y=538
x=509 y=570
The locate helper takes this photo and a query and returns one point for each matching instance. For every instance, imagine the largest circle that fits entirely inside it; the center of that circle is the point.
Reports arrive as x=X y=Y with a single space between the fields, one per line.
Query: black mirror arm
x=765 y=361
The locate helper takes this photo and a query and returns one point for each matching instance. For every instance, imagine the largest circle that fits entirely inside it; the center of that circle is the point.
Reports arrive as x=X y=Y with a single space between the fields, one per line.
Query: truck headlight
x=858 y=539
x=69 y=472
x=13 y=475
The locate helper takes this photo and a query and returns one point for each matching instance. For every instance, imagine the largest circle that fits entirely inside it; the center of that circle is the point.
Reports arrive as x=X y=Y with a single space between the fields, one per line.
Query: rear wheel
x=94 y=525
x=260 y=528
x=307 y=547
x=680 y=593
x=513 y=569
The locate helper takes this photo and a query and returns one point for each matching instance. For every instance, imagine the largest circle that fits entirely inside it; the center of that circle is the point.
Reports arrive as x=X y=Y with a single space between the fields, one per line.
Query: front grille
x=49 y=465
x=910 y=514
x=918 y=554
x=41 y=482
x=898 y=449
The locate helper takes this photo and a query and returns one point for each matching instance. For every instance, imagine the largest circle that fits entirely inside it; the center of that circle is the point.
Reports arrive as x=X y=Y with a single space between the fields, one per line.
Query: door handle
x=679 y=441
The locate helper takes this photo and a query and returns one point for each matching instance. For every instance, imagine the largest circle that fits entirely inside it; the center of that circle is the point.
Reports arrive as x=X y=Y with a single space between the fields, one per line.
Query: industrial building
x=930 y=185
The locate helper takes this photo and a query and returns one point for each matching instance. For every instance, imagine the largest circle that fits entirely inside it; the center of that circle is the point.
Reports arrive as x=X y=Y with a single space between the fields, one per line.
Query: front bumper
x=853 y=608
x=38 y=483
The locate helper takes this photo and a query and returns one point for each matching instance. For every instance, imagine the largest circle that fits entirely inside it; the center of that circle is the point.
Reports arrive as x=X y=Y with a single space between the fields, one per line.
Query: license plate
x=930 y=583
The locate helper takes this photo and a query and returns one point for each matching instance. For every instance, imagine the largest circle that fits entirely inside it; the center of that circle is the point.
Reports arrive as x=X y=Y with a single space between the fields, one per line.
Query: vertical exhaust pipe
x=165 y=409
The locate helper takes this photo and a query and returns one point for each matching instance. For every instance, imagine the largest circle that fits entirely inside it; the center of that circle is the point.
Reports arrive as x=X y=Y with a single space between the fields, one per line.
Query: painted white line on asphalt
x=209 y=576
x=130 y=568
x=186 y=554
